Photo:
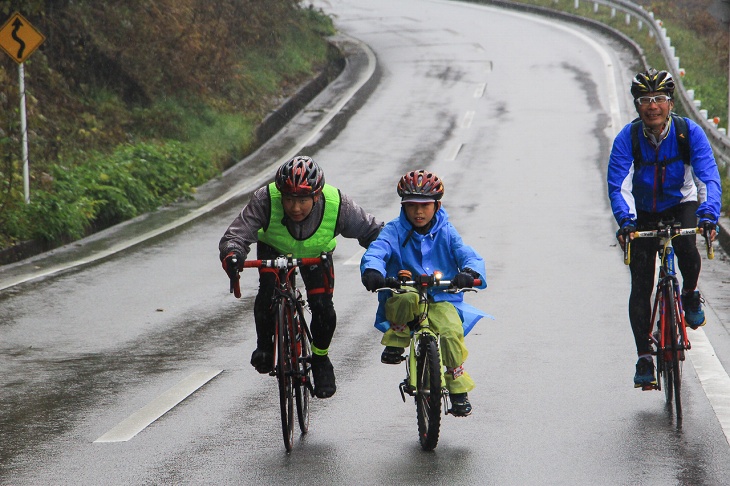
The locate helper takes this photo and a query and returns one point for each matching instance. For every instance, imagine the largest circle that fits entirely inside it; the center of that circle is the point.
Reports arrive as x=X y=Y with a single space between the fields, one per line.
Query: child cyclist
x=422 y=240
x=300 y=215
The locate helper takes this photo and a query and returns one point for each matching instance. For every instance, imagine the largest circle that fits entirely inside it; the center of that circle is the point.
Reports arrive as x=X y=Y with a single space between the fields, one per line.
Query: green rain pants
x=443 y=319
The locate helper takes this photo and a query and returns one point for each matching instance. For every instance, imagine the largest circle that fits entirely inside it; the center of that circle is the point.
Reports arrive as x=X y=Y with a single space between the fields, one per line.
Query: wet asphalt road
x=516 y=114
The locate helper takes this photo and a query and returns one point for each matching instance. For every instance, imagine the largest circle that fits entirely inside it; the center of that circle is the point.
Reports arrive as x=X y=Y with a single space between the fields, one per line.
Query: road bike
x=292 y=351
x=425 y=379
x=669 y=339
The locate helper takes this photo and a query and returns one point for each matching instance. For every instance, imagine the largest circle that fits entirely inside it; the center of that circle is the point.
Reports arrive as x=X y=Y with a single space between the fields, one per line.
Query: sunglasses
x=659 y=99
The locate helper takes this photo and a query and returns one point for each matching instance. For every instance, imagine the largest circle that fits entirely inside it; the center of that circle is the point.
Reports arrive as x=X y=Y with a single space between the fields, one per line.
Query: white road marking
x=455 y=152
x=355 y=259
x=715 y=381
x=139 y=420
x=479 y=91
x=468 y=118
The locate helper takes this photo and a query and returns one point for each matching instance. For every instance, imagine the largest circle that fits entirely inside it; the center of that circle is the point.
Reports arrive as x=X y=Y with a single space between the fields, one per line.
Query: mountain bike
x=424 y=368
x=292 y=352
x=669 y=339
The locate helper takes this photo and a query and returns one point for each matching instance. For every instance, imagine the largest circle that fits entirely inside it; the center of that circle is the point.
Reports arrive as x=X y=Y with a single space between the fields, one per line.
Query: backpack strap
x=681 y=131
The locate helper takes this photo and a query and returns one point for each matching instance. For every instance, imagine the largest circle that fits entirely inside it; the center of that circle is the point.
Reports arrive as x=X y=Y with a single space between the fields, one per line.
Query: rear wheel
x=302 y=377
x=428 y=392
x=284 y=368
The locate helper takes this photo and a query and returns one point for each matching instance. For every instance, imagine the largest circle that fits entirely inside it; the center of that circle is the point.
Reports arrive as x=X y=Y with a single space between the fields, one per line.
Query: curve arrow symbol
x=17 y=25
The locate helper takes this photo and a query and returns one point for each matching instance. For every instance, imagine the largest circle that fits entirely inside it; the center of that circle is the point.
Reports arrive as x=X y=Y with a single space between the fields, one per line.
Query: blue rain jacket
x=654 y=187
x=398 y=247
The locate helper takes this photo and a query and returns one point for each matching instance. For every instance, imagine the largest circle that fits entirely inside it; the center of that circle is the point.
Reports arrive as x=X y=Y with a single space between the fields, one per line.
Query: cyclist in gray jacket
x=297 y=214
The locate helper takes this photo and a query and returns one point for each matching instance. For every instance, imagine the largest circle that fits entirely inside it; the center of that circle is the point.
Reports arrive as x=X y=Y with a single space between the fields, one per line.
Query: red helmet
x=420 y=186
x=300 y=176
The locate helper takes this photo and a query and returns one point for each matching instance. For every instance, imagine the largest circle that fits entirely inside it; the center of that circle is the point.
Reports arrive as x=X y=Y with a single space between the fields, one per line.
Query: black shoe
x=323 y=374
x=644 y=377
x=392 y=355
x=460 y=406
x=262 y=360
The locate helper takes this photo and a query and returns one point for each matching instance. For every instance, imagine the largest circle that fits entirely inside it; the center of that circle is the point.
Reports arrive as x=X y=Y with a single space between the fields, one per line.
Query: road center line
x=138 y=421
x=479 y=91
x=455 y=152
x=468 y=118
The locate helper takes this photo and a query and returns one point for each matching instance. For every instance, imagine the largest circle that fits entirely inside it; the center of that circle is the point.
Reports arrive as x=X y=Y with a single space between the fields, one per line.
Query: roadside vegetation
x=131 y=105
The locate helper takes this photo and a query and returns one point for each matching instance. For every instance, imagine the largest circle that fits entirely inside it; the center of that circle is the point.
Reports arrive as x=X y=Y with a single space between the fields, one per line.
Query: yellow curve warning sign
x=18 y=38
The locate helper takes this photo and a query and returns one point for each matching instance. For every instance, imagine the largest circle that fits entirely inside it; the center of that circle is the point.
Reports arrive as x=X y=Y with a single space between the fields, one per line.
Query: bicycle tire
x=284 y=370
x=665 y=354
x=302 y=378
x=677 y=355
x=428 y=392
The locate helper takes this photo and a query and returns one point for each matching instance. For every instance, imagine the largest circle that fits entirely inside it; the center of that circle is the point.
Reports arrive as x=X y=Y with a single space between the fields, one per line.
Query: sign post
x=18 y=38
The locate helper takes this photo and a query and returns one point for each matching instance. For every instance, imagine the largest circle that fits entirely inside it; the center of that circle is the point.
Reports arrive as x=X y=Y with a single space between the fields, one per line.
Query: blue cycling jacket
x=654 y=187
x=399 y=247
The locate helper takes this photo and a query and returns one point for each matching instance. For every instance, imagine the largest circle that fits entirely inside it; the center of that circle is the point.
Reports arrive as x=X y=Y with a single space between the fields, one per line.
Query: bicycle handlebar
x=280 y=262
x=667 y=232
x=283 y=262
x=425 y=282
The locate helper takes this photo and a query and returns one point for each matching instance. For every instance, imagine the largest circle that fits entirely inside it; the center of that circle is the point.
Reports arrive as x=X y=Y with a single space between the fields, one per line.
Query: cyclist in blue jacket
x=422 y=240
x=650 y=180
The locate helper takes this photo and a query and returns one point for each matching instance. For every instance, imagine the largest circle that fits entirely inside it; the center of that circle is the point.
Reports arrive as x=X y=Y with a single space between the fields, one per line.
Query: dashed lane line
x=158 y=407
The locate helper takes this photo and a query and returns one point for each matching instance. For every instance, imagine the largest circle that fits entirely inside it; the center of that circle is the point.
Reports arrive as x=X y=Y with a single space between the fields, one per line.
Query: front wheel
x=303 y=375
x=428 y=392
x=671 y=368
x=284 y=369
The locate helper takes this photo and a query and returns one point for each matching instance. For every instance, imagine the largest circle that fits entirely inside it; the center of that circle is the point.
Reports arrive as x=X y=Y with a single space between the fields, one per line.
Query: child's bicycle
x=670 y=336
x=424 y=368
x=292 y=352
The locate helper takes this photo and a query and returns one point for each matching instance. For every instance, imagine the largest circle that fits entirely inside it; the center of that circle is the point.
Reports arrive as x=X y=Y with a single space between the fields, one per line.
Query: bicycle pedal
x=649 y=387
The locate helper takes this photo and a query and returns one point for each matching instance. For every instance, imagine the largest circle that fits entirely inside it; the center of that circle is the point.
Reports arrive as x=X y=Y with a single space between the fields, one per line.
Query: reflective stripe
x=319 y=352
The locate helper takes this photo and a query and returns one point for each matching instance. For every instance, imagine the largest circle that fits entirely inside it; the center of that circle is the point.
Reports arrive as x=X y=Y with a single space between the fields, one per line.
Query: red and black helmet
x=300 y=176
x=420 y=186
x=652 y=81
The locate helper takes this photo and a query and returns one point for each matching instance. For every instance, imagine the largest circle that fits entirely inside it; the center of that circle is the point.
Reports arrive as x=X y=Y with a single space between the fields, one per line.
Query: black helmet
x=420 y=186
x=300 y=176
x=652 y=81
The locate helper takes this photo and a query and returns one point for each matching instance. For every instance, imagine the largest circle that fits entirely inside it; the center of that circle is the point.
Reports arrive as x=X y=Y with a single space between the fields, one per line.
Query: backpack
x=681 y=130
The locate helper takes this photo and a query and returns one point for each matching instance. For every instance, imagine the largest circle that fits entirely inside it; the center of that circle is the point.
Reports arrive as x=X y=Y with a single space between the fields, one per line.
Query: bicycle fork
x=409 y=385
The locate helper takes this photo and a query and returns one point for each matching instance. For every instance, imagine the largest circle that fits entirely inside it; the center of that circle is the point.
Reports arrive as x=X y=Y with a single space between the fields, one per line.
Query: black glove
x=707 y=226
x=232 y=263
x=464 y=279
x=626 y=230
x=373 y=279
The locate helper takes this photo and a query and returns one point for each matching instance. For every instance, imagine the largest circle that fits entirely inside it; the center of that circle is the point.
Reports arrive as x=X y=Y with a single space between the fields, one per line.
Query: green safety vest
x=323 y=240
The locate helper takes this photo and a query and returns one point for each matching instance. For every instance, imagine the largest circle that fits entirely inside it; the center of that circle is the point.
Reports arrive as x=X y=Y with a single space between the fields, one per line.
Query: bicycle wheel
x=672 y=353
x=673 y=322
x=284 y=374
x=665 y=354
x=428 y=392
x=302 y=378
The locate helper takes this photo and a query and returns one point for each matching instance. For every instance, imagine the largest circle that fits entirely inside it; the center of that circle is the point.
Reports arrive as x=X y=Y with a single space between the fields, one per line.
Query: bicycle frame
x=292 y=339
x=670 y=341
